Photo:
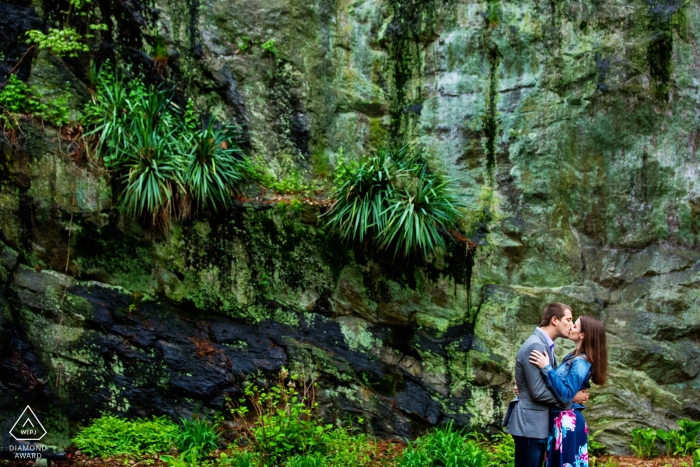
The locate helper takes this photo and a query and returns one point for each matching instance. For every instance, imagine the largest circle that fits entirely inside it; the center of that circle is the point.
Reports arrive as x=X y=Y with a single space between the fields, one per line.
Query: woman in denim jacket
x=567 y=445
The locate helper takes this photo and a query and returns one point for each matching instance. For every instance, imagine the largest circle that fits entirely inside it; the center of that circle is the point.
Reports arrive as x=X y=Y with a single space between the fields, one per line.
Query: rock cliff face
x=572 y=128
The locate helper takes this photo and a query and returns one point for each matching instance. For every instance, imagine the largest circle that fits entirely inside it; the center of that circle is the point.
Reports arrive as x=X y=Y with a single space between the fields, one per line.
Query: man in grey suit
x=527 y=419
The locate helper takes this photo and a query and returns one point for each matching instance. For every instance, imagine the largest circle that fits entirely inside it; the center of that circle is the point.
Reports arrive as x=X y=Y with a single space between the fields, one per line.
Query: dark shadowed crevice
x=491 y=122
x=412 y=25
x=663 y=15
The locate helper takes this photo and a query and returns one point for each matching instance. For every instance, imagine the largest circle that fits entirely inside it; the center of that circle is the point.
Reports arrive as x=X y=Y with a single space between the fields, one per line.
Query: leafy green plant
x=239 y=459
x=18 y=99
x=269 y=47
x=347 y=445
x=167 y=161
x=502 y=452
x=184 y=459
x=643 y=442
x=198 y=436
x=313 y=460
x=245 y=43
x=110 y=435
x=213 y=166
x=444 y=447
x=416 y=214
x=59 y=41
x=668 y=438
x=286 y=422
x=257 y=172
x=294 y=183
x=696 y=458
x=66 y=40
x=160 y=55
x=296 y=205
x=686 y=437
x=393 y=197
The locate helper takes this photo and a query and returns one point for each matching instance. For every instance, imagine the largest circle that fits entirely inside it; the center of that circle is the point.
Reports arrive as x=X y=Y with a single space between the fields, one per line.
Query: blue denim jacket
x=571 y=376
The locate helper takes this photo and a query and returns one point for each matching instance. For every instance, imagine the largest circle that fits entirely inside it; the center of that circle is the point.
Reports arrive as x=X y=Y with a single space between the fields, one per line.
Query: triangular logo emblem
x=28 y=427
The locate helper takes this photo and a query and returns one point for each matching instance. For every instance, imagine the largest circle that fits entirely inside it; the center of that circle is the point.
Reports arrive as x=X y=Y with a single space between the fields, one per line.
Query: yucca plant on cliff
x=151 y=160
x=360 y=197
x=214 y=166
x=393 y=197
x=166 y=159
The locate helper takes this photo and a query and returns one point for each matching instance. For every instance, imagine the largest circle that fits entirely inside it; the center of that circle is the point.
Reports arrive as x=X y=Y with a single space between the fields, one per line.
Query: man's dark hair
x=552 y=310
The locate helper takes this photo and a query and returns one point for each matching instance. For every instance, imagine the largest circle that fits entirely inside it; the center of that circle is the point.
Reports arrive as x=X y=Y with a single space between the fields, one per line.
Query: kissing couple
x=546 y=416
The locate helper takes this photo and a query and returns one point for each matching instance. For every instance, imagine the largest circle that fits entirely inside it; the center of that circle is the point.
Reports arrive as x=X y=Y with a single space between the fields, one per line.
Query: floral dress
x=567 y=445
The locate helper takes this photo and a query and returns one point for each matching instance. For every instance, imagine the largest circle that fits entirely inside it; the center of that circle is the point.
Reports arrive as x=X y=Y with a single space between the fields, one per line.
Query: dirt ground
x=632 y=461
x=385 y=456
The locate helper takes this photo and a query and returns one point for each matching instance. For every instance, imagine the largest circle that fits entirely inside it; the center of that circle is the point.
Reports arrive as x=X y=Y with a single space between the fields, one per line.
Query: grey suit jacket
x=528 y=414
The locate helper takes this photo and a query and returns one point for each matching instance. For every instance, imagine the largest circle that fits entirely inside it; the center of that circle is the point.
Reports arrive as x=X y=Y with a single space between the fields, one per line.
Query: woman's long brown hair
x=595 y=347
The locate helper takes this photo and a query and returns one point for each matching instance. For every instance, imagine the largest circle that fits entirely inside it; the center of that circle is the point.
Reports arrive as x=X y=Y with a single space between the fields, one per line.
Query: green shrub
x=213 y=166
x=502 y=451
x=643 y=442
x=668 y=438
x=137 y=137
x=239 y=459
x=108 y=114
x=681 y=441
x=153 y=167
x=198 y=436
x=287 y=424
x=184 y=459
x=59 y=41
x=444 y=447
x=66 y=41
x=686 y=437
x=348 y=446
x=165 y=160
x=393 y=197
x=313 y=460
x=110 y=435
x=696 y=458
x=18 y=99
x=269 y=47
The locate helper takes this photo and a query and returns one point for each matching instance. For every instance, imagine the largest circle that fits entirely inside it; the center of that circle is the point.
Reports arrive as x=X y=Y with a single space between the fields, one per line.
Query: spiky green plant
x=108 y=113
x=165 y=160
x=443 y=447
x=360 y=198
x=418 y=212
x=393 y=197
x=214 y=166
x=153 y=165
x=198 y=436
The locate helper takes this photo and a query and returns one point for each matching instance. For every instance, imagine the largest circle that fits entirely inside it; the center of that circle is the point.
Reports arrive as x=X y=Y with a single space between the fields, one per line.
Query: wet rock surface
x=155 y=358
